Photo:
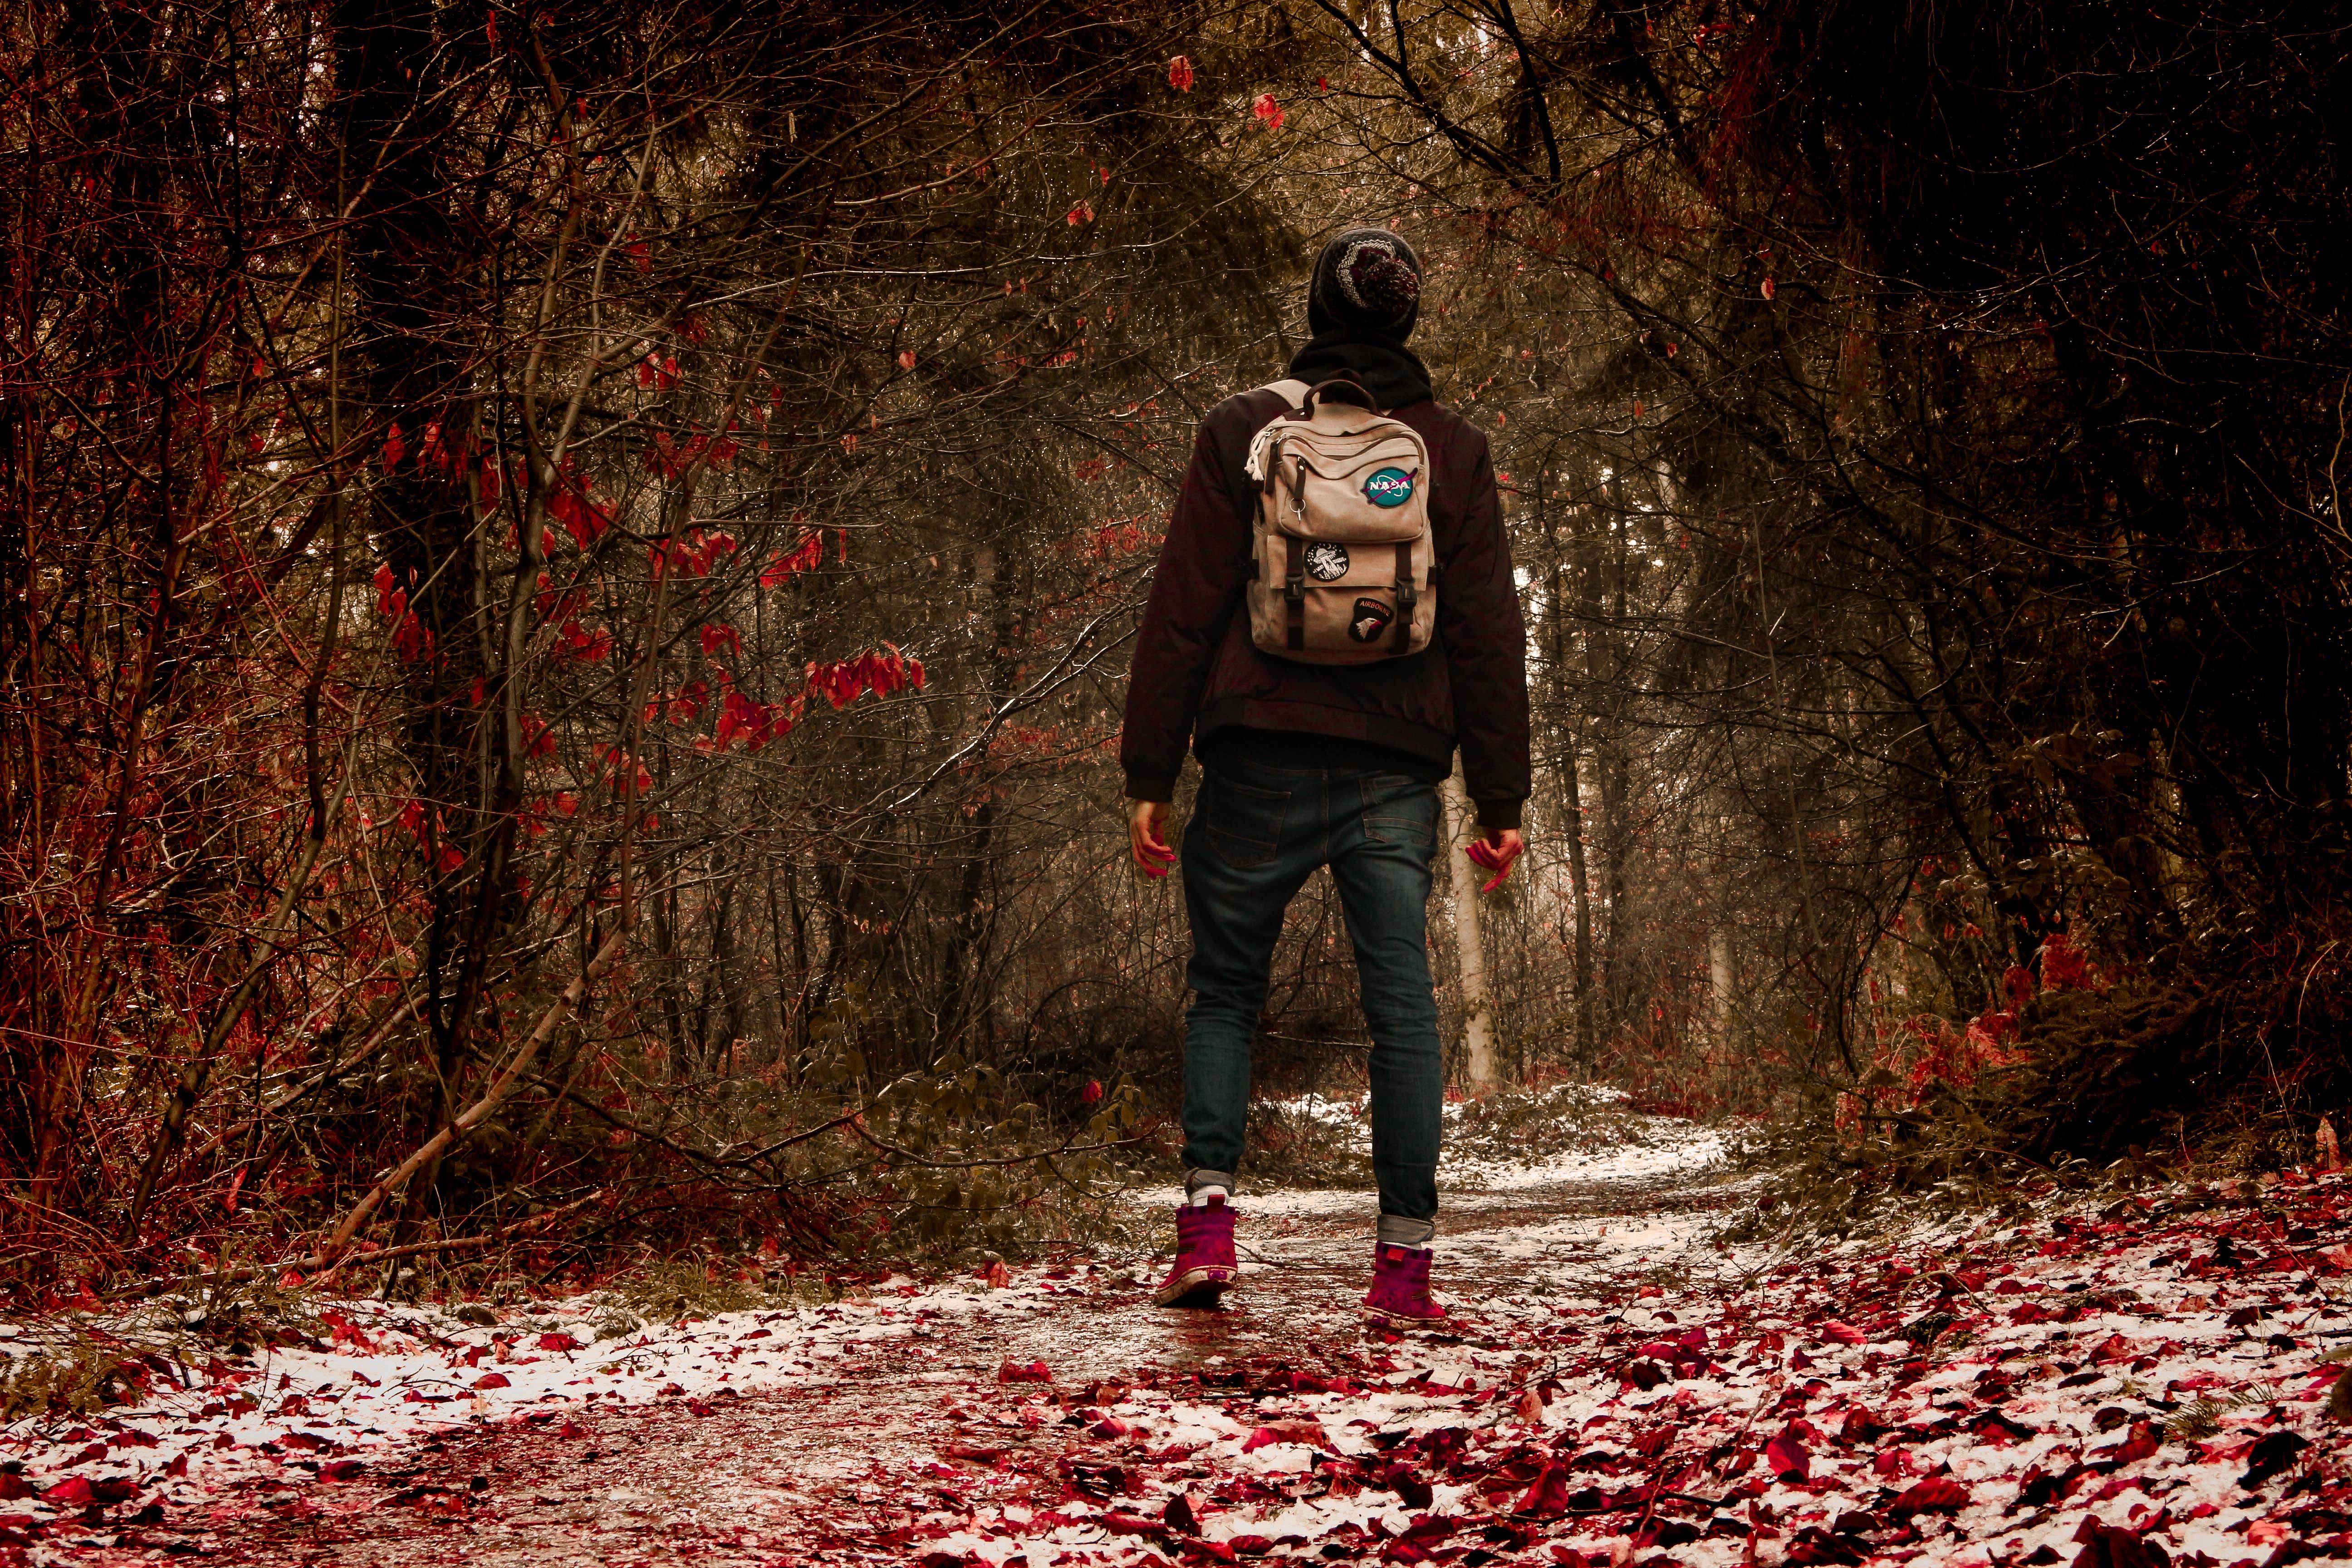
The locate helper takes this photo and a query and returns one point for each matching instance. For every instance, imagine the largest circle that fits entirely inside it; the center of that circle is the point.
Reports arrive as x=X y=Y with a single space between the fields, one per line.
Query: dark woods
x=567 y=579
x=1977 y=398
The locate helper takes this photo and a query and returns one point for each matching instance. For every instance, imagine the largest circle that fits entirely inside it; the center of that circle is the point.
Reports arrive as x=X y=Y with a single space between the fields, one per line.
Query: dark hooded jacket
x=1197 y=676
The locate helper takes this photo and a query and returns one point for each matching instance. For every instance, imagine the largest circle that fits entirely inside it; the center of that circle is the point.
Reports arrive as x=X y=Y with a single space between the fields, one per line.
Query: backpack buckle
x=1294 y=587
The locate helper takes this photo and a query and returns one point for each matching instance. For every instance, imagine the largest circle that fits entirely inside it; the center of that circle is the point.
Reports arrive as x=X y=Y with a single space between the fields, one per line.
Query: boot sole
x=1195 y=1288
x=1400 y=1321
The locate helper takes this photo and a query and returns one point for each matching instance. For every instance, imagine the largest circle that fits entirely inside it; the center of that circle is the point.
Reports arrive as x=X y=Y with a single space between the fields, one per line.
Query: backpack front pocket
x=1355 y=601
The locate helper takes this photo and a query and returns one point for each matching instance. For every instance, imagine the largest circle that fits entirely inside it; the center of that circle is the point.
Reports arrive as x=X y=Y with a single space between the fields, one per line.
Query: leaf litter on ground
x=2142 y=1381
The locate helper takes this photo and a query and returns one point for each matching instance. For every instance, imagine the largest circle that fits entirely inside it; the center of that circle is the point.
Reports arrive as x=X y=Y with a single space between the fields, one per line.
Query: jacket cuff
x=1491 y=812
x=1141 y=785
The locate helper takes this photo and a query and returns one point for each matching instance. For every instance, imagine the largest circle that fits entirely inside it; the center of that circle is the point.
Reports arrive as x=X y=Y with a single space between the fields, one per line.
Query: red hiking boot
x=1204 y=1267
x=1400 y=1296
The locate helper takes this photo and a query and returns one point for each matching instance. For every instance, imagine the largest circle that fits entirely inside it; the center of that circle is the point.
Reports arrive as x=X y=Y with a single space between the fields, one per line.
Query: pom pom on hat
x=1376 y=280
x=1367 y=279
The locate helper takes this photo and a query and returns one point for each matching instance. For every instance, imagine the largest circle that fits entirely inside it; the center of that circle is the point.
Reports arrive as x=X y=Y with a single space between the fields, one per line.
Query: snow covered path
x=2092 y=1387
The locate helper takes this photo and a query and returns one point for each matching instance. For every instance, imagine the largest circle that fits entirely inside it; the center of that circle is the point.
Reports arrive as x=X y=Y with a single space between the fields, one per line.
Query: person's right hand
x=1147 y=827
x=1497 y=849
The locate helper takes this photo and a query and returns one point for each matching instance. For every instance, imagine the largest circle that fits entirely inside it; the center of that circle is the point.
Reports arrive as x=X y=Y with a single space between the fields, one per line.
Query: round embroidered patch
x=1327 y=562
x=1390 y=486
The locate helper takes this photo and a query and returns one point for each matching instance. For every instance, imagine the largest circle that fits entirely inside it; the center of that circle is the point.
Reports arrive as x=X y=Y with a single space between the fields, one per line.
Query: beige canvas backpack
x=1343 y=563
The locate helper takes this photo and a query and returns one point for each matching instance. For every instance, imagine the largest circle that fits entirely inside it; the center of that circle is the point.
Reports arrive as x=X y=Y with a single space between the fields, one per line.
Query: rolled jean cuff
x=1195 y=1180
x=1398 y=1231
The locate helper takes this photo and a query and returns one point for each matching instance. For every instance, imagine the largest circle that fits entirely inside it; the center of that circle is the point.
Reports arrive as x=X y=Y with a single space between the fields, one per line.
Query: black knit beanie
x=1368 y=280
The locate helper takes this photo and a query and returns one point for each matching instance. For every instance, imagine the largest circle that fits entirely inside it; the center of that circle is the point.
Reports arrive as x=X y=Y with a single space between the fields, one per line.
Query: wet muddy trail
x=2088 y=1379
x=908 y=1431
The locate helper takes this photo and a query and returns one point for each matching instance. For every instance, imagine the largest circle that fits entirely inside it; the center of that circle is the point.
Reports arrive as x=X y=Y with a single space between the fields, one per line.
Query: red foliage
x=846 y=681
x=582 y=517
x=805 y=557
x=2064 y=967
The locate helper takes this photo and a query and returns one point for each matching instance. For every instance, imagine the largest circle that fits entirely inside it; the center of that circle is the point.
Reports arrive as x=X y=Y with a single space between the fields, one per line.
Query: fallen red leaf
x=1814 y=1545
x=1550 y=1494
x=1937 y=1494
x=1131 y=1524
x=558 y=1343
x=1307 y=1432
x=2104 y=1546
x=1786 y=1457
x=2142 y=1441
x=1859 y=1426
x=78 y=1492
x=491 y=1379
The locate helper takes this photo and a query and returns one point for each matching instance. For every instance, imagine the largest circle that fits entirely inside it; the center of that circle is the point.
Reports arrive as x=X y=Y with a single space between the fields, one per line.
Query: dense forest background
x=569 y=572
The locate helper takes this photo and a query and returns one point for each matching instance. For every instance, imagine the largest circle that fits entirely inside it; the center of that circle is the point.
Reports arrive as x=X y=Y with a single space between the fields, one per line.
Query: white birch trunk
x=1470 y=952
x=1722 y=976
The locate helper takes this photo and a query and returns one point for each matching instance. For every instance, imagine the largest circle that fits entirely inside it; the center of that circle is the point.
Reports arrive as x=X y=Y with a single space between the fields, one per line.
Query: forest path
x=836 y=1471
x=853 y=1461
x=1622 y=1389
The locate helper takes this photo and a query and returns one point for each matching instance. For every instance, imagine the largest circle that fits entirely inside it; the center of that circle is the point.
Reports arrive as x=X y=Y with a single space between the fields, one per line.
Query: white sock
x=1199 y=1200
x=1395 y=1230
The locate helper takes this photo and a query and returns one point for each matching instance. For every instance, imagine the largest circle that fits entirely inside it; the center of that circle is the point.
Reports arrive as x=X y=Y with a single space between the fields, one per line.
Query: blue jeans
x=1257 y=834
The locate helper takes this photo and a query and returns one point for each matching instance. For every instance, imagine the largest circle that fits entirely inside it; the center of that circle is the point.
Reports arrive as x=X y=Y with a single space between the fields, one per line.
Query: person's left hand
x=1495 y=850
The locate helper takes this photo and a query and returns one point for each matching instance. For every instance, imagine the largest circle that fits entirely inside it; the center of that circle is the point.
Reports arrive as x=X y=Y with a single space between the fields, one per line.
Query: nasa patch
x=1327 y=562
x=1389 y=487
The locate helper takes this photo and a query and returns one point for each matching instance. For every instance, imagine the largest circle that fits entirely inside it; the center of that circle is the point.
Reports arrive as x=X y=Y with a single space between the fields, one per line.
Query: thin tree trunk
x=1470 y=951
x=1722 y=976
x=1605 y=668
x=1580 y=880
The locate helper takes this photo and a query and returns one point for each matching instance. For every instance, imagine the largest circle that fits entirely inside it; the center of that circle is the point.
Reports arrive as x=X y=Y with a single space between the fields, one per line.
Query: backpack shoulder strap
x=1291 y=390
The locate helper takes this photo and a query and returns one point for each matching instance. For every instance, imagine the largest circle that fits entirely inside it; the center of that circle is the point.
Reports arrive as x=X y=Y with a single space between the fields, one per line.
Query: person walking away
x=1334 y=612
